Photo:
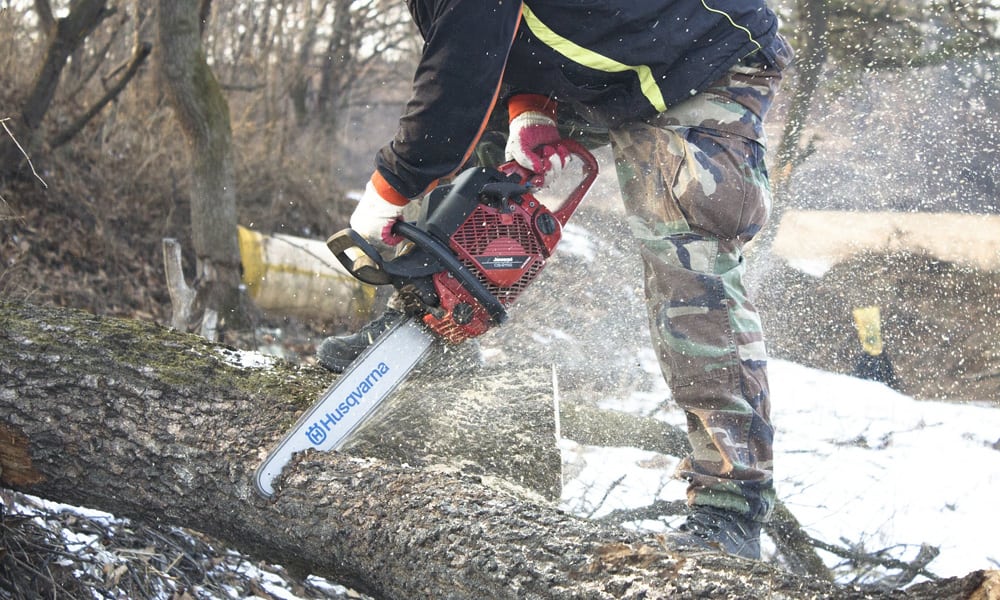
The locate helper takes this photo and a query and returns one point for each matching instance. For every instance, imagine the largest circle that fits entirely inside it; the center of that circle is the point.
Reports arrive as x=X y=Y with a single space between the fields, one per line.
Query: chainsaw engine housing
x=500 y=232
x=479 y=242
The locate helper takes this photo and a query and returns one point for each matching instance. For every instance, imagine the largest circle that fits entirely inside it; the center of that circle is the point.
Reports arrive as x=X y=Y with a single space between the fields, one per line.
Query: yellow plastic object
x=300 y=277
x=868 y=321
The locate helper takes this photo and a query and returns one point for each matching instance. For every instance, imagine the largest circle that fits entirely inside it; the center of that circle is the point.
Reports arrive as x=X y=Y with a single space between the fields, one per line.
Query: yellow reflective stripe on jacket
x=733 y=23
x=593 y=60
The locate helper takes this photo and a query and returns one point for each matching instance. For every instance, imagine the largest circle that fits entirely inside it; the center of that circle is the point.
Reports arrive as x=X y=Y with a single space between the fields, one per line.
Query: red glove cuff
x=390 y=238
x=387 y=192
x=522 y=103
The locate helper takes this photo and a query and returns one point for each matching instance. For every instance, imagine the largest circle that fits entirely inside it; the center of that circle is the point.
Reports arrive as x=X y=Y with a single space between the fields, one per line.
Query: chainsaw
x=477 y=244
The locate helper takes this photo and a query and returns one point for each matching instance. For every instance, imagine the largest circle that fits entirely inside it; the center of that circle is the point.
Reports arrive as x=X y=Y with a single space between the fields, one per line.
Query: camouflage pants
x=696 y=190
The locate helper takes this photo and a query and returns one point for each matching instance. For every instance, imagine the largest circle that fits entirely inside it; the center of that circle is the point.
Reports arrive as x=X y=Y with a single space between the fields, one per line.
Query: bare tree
x=353 y=64
x=64 y=36
x=203 y=114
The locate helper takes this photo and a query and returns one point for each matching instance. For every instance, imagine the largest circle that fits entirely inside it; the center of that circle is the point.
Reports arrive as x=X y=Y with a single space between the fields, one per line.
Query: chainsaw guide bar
x=348 y=403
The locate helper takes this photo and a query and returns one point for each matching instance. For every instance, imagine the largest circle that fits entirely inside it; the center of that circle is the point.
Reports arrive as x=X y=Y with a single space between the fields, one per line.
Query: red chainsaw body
x=506 y=247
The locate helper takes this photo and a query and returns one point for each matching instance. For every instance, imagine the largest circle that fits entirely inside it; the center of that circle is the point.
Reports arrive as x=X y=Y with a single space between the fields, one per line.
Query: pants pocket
x=648 y=161
x=721 y=186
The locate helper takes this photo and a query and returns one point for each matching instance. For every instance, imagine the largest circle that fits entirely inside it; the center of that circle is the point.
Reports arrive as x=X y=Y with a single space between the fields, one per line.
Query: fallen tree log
x=161 y=426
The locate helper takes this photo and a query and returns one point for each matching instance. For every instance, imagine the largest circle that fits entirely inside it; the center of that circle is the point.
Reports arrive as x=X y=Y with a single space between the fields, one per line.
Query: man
x=680 y=87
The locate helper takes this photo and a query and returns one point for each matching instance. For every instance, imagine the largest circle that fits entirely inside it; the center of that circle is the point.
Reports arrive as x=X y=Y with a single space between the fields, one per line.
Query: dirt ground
x=82 y=243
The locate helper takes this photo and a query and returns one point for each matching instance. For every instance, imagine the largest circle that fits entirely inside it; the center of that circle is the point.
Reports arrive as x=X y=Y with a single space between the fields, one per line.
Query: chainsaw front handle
x=369 y=266
x=536 y=180
x=445 y=257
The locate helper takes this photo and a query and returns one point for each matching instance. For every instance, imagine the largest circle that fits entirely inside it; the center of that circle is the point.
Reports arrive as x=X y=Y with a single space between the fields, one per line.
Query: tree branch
x=909 y=570
x=24 y=153
x=141 y=53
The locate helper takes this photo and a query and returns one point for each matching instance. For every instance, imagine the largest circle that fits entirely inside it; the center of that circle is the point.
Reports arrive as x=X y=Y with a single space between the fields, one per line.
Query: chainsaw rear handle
x=538 y=179
x=371 y=268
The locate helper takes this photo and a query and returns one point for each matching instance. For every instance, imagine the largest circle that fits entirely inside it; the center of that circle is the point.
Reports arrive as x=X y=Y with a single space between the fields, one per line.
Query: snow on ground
x=856 y=462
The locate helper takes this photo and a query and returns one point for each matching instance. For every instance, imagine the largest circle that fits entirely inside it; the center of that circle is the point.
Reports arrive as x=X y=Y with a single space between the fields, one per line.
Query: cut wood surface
x=291 y=275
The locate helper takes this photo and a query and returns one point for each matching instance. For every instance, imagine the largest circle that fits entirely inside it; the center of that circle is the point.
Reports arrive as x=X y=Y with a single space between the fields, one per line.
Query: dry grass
x=91 y=238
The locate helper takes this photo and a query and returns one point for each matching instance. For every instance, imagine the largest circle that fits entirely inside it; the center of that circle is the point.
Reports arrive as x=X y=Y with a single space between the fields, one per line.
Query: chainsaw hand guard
x=367 y=266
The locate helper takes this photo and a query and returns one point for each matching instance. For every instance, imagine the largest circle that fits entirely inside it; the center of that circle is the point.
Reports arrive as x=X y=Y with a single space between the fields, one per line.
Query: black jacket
x=621 y=59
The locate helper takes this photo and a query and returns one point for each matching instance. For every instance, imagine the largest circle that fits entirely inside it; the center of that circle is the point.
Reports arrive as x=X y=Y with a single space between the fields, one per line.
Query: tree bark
x=157 y=425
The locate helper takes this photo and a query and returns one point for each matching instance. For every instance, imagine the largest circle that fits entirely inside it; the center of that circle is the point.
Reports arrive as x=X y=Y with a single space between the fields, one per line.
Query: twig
x=3 y=122
x=11 y=218
x=607 y=493
x=924 y=557
x=917 y=566
x=656 y=510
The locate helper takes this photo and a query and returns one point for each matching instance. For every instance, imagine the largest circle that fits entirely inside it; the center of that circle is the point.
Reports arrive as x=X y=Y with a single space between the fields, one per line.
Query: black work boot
x=710 y=527
x=335 y=353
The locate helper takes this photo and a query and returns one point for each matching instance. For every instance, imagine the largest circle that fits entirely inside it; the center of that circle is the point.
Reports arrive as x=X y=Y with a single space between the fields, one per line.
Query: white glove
x=530 y=130
x=372 y=214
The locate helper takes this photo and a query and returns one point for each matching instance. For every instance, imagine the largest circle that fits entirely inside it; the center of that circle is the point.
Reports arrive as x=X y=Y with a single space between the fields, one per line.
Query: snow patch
x=855 y=461
x=245 y=359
